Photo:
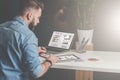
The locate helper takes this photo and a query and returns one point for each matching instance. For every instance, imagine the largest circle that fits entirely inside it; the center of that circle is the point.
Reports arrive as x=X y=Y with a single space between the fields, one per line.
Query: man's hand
x=52 y=58
x=42 y=50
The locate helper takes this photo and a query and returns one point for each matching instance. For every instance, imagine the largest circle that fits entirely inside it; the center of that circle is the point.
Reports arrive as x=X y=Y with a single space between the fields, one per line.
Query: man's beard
x=32 y=26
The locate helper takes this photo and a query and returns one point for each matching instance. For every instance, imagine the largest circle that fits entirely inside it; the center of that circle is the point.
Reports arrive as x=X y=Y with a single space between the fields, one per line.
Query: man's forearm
x=46 y=65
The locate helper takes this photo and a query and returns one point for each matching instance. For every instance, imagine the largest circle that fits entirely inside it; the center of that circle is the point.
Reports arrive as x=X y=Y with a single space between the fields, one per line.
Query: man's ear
x=29 y=15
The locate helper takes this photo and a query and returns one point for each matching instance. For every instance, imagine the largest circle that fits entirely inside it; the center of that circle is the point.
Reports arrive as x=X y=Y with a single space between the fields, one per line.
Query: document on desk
x=68 y=58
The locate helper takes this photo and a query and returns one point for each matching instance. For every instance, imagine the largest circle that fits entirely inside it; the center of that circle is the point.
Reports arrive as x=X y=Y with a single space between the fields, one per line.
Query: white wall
x=107 y=32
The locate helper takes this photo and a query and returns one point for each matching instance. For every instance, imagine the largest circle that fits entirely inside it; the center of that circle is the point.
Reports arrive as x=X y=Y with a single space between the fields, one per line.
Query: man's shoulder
x=5 y=24
x=17 y=27
x=20 y=28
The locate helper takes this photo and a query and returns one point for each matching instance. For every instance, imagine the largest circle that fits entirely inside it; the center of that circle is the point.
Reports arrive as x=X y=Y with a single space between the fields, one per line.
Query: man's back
x=19 y=52
x=12 y=37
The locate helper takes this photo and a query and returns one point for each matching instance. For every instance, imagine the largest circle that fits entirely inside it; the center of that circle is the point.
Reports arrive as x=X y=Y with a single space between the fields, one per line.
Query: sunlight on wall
x=107 y=35
x=112 y=22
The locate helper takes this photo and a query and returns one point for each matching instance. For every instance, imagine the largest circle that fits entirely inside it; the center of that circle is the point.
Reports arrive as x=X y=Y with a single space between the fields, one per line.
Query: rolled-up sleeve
x=30 y=55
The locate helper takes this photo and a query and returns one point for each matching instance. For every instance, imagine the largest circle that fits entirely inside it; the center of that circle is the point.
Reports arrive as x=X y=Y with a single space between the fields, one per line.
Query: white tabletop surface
x=106 y=61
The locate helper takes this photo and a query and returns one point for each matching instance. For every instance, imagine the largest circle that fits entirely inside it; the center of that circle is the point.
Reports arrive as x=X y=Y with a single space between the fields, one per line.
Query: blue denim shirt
x=18 y=51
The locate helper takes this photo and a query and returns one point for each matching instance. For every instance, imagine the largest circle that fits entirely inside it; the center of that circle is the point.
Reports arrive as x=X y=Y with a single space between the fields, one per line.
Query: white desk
x=107 y=62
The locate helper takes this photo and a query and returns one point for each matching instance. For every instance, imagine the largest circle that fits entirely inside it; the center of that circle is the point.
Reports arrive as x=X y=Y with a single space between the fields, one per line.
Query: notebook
x=60 y=41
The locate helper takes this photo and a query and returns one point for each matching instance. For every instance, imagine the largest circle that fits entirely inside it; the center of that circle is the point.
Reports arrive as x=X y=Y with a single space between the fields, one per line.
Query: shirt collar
x=20 y=20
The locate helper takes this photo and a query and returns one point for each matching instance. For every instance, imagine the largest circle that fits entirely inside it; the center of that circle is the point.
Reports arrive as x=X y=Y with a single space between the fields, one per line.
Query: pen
x=85 y=43
x=83 y=40
x=82 y=43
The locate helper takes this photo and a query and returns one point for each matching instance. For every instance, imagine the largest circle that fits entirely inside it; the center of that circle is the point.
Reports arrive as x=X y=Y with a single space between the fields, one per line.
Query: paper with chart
x=68 y=58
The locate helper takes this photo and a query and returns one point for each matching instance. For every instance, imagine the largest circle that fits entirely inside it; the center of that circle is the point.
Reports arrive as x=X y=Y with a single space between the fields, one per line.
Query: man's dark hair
x=27 y=4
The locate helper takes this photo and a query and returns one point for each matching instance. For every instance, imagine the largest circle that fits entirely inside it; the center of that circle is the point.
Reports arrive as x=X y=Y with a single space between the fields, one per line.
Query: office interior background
x=63 y=15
